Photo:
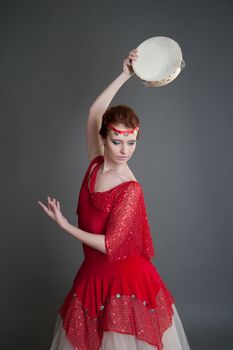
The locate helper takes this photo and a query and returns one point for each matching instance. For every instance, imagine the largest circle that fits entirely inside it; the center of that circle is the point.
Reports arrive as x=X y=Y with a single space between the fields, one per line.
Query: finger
x=54 y=207
x=46 y=210
x=49 y=202
x=133 y=54
x=58 y=205
x=52 y=204
x=44 y=207
x=127 y=61
x=133 y=50
x=133 y=57
x=41 y=204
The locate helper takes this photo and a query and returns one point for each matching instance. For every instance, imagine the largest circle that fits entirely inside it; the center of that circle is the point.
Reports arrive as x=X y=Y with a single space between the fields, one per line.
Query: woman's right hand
x=53 y=210
x=127 y=63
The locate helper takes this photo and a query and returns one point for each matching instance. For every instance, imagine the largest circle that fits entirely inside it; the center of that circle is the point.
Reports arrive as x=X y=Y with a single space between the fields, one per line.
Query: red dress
x=120 y=292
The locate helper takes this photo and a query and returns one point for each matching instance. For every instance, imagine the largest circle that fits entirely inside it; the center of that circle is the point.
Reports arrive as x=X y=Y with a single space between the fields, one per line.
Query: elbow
x=92 y=110
x=95 y=111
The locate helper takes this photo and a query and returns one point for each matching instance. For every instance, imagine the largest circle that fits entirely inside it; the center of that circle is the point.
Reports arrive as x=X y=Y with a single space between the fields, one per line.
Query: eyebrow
x=122 y=140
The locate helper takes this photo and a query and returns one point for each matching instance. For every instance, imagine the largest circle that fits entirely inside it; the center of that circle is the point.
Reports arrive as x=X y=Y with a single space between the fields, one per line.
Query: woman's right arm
x=99 y=106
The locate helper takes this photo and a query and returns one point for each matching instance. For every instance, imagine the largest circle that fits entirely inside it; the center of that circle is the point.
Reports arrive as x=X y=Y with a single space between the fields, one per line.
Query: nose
x=123 y=149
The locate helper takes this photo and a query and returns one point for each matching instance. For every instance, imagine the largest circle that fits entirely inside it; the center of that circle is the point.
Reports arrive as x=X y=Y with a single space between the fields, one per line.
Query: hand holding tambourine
x=127 y=63
x=156 y=61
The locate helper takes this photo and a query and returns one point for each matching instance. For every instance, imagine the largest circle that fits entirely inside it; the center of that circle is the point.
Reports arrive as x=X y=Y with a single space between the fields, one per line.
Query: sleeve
x=124 y=233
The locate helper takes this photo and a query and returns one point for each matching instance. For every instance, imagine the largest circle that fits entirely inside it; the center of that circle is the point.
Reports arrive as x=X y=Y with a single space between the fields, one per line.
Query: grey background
x=56 y=57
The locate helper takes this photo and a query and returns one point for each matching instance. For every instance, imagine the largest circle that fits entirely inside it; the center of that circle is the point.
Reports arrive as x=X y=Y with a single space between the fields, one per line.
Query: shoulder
x=130 y=190
x=96 y=159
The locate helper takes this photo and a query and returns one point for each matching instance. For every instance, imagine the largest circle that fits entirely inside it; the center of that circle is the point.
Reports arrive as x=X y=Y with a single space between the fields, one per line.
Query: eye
x=115 y=142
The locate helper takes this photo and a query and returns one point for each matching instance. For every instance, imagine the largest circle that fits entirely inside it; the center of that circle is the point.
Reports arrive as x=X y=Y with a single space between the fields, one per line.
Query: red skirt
x=118 y=306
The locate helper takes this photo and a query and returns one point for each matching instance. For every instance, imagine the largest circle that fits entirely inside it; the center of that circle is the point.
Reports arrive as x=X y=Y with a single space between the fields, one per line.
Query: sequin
x=86 y=332
x=128 y=233
x=101 y=200
x=119 y=214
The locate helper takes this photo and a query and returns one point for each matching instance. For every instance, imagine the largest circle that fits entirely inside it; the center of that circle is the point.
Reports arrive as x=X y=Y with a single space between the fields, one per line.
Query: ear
x=103 y=141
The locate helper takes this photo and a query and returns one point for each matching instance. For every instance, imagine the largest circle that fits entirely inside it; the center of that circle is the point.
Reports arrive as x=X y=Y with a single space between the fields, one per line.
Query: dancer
x=118 y=300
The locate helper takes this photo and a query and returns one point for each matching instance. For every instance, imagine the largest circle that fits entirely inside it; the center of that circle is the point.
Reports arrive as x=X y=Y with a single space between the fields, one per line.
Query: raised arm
x=99 y=106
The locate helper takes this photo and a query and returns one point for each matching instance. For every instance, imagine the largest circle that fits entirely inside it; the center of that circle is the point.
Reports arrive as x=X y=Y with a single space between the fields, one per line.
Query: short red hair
x=120 y=114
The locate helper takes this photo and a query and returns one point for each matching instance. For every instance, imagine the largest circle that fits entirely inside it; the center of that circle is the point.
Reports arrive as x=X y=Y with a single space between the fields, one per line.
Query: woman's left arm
x=93 y=240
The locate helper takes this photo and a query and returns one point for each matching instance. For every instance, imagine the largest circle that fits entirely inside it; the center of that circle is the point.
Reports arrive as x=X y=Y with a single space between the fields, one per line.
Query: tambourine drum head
x=159 y=61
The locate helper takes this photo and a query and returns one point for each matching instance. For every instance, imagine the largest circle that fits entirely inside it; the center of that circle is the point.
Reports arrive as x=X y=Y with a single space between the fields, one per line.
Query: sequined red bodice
x=120 y=290
x=119 y=214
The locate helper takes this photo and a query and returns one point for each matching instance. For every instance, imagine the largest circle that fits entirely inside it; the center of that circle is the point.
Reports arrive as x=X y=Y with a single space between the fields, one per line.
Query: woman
x=118 y=301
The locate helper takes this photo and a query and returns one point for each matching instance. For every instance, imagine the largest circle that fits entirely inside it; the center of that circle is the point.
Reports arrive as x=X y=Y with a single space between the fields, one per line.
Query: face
x=120 y=148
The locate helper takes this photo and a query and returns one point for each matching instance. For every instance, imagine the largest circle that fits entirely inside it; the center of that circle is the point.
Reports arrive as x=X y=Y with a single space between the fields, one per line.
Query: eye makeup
x=117 y=142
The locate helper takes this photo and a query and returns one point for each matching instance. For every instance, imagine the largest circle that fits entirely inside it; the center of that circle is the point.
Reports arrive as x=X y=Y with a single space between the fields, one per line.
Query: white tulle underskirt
x=174 y=338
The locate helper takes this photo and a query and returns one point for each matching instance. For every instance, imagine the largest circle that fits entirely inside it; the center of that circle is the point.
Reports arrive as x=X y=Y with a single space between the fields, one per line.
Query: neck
x=107 y=166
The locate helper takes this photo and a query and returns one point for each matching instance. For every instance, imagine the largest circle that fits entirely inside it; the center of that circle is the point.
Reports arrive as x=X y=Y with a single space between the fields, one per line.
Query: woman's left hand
x=127 y=63
x=54 y=212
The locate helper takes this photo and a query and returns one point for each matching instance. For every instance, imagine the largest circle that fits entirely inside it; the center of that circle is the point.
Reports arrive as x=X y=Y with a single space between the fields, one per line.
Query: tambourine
x=159 y=61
